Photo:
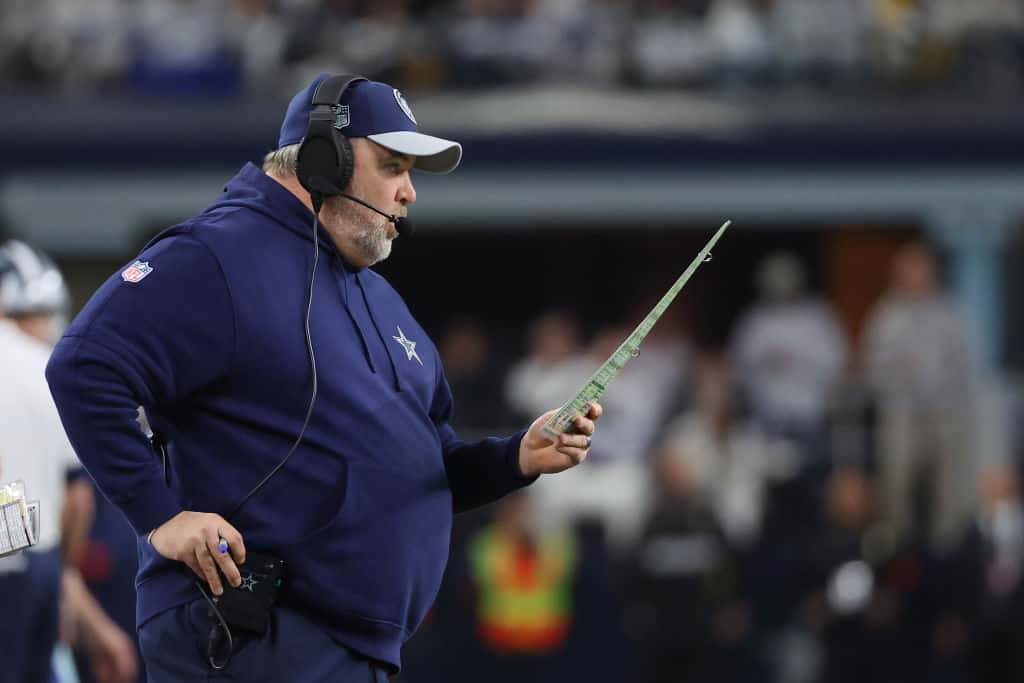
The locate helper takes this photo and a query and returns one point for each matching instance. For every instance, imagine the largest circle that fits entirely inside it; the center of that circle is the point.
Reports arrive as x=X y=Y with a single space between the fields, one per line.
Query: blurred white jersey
x=790 y=357
x=917 y=352
x=33 y=446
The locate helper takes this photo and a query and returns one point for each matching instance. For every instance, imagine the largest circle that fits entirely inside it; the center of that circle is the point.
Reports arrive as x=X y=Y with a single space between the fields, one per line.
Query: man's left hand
x=540 y=454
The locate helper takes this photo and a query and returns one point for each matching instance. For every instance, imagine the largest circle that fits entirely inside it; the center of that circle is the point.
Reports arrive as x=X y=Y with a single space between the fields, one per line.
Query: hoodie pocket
x=323 y=511
x=383 y=555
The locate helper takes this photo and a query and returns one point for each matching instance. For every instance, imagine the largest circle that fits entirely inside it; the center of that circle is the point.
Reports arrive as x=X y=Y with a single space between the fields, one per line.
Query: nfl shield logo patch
x=136 y=271
x=341 y=117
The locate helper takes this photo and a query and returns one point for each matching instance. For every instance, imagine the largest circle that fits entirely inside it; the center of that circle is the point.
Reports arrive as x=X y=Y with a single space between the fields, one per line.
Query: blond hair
x=281 y=162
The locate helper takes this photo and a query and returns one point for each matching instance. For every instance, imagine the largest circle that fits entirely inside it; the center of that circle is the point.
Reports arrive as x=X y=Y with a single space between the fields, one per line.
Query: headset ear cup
x=326 y=161
x=317 y=164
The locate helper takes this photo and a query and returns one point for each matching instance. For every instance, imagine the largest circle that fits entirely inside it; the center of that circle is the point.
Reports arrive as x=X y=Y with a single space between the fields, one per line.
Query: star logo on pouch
x=408 y=345
x=248 y=582
x=136 y=271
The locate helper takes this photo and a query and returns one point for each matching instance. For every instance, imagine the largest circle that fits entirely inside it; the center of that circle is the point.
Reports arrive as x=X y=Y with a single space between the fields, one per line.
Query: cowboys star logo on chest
x=407 y=345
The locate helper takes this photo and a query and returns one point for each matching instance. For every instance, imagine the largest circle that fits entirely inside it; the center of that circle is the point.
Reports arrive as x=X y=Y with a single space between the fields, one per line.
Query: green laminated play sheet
x=598 y=383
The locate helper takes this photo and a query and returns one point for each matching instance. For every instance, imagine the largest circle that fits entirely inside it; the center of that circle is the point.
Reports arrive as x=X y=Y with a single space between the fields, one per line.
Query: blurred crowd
x=228 y=47
x=796 y=506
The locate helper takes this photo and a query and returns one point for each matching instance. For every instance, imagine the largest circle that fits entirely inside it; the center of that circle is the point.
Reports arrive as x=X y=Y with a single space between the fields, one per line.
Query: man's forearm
x=76 y=519
x=84 y=613
x=111 y=651
x=483 y=471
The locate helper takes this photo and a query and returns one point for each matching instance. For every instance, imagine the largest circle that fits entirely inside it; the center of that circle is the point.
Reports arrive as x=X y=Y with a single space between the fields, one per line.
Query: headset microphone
x=403 y=224
x=322 y=187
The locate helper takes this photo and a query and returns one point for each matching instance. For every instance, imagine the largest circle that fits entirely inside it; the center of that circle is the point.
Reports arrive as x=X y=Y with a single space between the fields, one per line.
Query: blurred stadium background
x=812 y=472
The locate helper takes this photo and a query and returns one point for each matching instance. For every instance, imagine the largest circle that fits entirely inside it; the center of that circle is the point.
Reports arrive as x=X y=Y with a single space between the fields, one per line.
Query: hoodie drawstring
x=355 y=323
x=387 y=348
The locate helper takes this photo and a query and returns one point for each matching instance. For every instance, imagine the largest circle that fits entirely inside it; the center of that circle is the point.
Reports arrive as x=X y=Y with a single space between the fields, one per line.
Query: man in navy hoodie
x=207 y=331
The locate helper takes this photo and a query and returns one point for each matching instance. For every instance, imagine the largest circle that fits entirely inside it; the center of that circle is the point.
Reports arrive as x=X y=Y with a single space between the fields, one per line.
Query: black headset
x=325 y=162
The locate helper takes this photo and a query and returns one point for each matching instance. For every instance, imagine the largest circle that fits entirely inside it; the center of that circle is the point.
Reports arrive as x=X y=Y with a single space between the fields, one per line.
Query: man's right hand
x=194 y=538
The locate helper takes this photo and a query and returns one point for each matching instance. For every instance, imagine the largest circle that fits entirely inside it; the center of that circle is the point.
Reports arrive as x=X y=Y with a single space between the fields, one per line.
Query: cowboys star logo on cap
x=405 y=106
x=136 y=271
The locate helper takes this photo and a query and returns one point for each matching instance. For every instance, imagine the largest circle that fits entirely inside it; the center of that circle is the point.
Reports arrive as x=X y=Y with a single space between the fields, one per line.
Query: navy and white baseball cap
x=378 y=112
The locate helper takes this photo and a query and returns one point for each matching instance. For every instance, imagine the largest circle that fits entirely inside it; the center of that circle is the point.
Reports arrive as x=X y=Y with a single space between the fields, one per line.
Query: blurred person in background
x=670 y=43
x=935 y=41
x=261 y=31
x=615 y=487
x=790 y=355
x=980 y=42
x=72 y=45
x=737 y=475
x=708 y=42
x=723 y=454
x=33 y=448
x=529 y=600
x=186 y=47
x=523 y=574
x=590 y=41
x=384 y=39
x=686 y=610
x=646 y=391
x=918 y=368
x=511 y=42
x=821 y=41
x=897 y=32
x=215 y=330
x=474 y=377
x=862 y=613
x=500 y=42
x=553 y=367
x=999 y=652
x=746 y=40
x=108 y=562
x=951 y=17
x=839 y=604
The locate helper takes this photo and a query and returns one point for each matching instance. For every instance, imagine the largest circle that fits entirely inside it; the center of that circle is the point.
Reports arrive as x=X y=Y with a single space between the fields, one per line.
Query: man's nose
x=407 y=193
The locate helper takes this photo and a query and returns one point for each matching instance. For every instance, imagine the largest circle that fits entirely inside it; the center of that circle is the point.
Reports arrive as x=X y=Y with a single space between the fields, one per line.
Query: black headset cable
x=222 y=624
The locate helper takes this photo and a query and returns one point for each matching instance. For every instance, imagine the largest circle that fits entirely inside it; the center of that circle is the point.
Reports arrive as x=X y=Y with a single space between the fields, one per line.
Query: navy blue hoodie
x=211 y=342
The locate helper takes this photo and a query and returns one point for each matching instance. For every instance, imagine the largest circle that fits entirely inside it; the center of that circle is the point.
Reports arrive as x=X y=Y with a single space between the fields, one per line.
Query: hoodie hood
x=254 y=190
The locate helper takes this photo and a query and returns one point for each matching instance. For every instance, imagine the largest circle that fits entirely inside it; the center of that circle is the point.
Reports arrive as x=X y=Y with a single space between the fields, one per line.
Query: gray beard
x=368 y=234
x=373 y=241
